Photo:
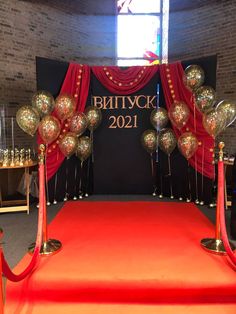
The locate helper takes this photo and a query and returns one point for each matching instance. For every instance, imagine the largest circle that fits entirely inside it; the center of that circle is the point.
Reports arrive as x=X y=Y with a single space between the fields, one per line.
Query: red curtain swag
x=124 y=82
x=76 y=83
x=174 y=89
x=128 y=81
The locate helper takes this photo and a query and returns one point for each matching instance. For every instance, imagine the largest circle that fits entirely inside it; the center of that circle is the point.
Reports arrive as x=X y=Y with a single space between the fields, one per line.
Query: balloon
x=28 y=119
x=214 y=121
x=49 y=129
x=68 y=144
x=167 y=141
x=94 y=117
x=159 y=118
x=78 y=123
x=64 y=106
x=44 y=102
x=205 y=97
x=194 y=76
x=188 y=144
x=84 y=148
x=179 y=114
x=229 y=109
x=149 y=140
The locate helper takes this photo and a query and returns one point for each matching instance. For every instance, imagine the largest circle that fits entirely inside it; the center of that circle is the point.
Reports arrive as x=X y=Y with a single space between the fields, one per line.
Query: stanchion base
x=215 y=246
x=50 y=247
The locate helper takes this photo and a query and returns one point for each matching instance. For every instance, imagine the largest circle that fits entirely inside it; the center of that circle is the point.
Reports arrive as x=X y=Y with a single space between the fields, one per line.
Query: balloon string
x=161 y=182
x=170 y=176
x=91 y=138
x=203 y=157
x=169 y=168
x=46 y=175
x=196 y=177
x=189 y=183
x=153 y=173
x=80 y=179
x=66 y=179
x=75 y=179
x=194 y=115
x=87 y=176
x=55 y=183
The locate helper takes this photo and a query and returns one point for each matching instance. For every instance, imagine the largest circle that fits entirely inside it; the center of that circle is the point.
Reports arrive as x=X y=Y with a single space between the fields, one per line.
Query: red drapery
x=128 y=81
x=76 y=83
x=124 y=82
x=174 y=89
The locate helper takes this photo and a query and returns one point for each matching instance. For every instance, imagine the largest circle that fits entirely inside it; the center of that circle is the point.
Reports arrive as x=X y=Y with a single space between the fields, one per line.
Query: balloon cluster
x=38 y=117
x=161 y=136
x=216 y=116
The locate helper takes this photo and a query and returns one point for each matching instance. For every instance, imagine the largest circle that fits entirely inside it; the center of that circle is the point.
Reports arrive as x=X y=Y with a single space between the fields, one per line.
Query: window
x=142 y=32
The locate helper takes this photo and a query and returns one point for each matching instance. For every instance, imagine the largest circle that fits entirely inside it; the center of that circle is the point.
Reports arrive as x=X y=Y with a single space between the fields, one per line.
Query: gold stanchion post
x=215 y=245
x=49 y=246
x=1 y=272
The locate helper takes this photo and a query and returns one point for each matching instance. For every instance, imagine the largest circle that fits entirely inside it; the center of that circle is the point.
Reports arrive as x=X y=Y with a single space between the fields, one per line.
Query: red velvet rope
x=34 y=260
x=224 y=235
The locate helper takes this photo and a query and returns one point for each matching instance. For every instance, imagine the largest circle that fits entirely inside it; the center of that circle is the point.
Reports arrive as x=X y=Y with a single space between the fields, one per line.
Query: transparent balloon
x=188 y=144
x=214 y=122
x=84 y=148
x=65 y=106
x=194 y=77
x=94 y=117
x=78 y=123
x=179 y=114
x=149 y=140
x=167 y=140
x=229 y=109
x=159 y=118
x=49 y=129
x=44 y=102
x=28 y=119
x=68 y=144
x=205 y=97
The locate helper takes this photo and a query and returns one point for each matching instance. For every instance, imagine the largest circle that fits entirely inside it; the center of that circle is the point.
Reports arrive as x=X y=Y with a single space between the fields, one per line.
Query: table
x=17 y=205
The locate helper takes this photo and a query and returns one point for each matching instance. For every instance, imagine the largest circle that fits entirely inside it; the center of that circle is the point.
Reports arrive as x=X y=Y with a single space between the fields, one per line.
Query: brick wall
x=51 y=29
x=207 y=30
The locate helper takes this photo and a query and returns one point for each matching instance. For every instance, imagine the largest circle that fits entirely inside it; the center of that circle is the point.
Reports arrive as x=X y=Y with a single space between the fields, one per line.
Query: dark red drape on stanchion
x=174 y=89
x=124 y=81
x=76 y=84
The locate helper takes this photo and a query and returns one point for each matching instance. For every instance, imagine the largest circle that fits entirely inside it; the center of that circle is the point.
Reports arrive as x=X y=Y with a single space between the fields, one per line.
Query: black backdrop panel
x=121 y=164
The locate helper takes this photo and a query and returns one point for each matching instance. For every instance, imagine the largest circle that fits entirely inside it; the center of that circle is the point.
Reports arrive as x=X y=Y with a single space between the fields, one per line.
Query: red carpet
x=127 y=257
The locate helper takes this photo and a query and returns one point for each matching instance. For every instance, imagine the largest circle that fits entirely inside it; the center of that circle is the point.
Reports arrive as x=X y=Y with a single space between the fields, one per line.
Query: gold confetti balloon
x=49 y=129
x=229 y=109
x=44 y=102
x=94 y=117
x=68 y=144
x=159 y=118
x=28 y=119
x=214 y=122
x=84 y=148
x=188 y=144
x=167 y=140
x=179 y=114
x=149 y=140
x=205 y=97
x=78 y=123
x=194 y=77
x=65 y=106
